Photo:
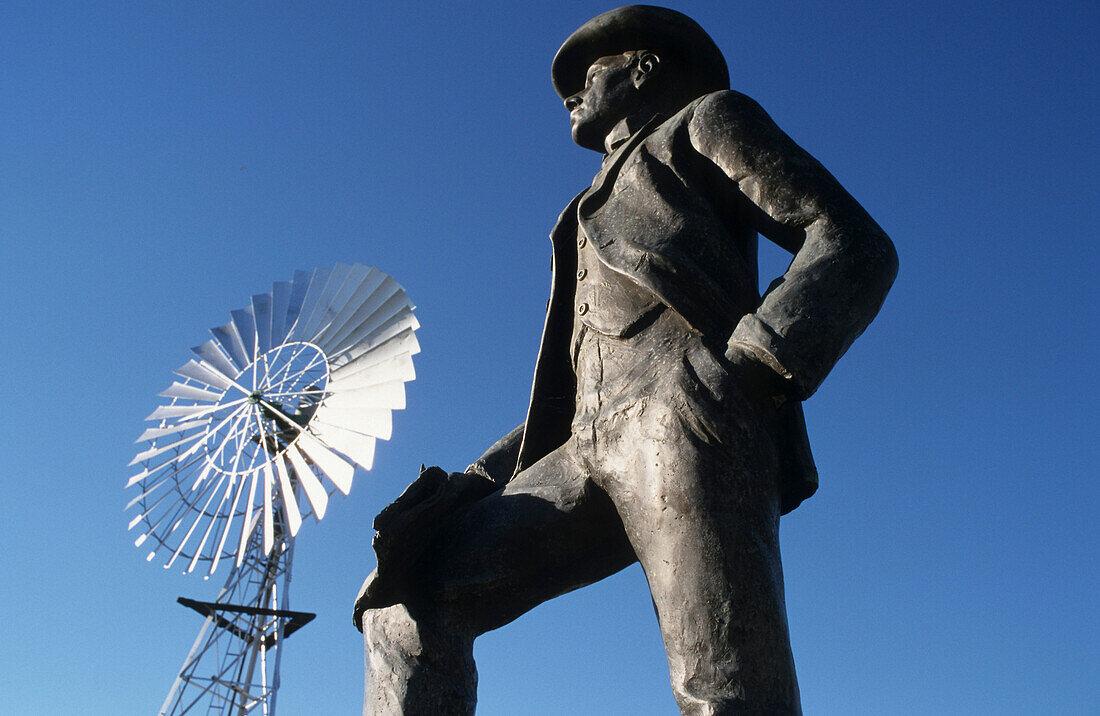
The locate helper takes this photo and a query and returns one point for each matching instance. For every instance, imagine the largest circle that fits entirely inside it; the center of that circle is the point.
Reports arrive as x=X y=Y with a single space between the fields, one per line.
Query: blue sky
x=161 y=162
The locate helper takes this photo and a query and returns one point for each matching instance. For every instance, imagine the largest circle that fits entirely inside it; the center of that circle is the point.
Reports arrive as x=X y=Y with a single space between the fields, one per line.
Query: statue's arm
x=499 y=461
x=843 y=262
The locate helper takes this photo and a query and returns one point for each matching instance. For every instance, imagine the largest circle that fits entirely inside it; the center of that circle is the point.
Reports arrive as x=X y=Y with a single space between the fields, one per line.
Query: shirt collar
x=621 y=132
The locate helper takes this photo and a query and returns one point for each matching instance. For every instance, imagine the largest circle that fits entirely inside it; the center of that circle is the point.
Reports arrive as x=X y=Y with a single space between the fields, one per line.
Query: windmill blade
x=397 y=368
x=371 y=280
x=178 y=506
x=229 y=515
x=267 y=511
x=315 y=304
x=213 y=356
x=181 y=498
x=300 y=287
x=323 y=305
x=389 y=395
x=168 y=514
x=212 y=518
x=154 y=451
x=315 y=492
x=268 y=514
x=261 y=313
x=371 y=398
x=171 y=478
x=177 y=464
x=290 y=499
x=182 y=411
x=201 y=374
x=404 y=343
x=382 y=326
x=177 y=476
x=309 y=302
x=229 y=340
x=376 y=422
x=365 y=313
x=280 y=306
x=189 y=392
x=247 y=525
x=338 y=307
x=144 y=495
x=357 y=446
x=374 y=332
x=206 y=471
x=154 y=433
x=144 y=457
x=218 y=513
x=193 y=412
x=201 y=514
x=328 y=462
x=245 y=323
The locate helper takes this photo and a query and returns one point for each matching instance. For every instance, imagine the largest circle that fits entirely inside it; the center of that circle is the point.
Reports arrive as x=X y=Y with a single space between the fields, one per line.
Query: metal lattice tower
x=233 y=667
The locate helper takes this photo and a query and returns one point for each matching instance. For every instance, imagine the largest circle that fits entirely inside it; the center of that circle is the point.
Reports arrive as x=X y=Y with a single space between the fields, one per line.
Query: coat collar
x=595 y=196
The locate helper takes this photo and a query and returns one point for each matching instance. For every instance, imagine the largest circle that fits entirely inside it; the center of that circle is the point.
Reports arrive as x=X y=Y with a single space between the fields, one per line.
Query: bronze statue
x=665 y=423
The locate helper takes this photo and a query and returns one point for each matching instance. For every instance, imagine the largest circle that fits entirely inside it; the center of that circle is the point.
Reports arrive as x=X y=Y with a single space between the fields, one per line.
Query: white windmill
x=268 y=421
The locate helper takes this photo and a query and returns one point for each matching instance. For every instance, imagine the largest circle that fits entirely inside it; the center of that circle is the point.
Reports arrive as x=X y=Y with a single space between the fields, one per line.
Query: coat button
x=581 y=274
x=581 y=241
x=582 y=309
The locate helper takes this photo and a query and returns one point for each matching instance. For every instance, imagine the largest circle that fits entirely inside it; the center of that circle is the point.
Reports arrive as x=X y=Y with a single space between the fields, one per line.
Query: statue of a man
x=665 y=423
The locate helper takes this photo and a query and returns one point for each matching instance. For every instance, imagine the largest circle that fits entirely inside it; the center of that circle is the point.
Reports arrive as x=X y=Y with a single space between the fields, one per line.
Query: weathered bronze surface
x=665 y=423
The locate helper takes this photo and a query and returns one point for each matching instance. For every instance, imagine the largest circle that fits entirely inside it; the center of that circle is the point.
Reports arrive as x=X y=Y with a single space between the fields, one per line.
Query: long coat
x=677 y=209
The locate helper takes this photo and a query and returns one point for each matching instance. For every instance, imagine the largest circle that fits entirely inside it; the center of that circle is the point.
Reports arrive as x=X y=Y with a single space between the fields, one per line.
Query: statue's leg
x=549 y=531
x=416 y=667
x=694 y=480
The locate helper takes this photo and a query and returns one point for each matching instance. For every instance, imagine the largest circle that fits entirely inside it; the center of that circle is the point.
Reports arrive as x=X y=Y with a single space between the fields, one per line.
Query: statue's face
x=610 y=94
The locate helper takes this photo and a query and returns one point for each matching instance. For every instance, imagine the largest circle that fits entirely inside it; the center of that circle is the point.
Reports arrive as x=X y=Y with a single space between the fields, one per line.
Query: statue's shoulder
x=727 y=125
x=707 y=114
x=724 y=107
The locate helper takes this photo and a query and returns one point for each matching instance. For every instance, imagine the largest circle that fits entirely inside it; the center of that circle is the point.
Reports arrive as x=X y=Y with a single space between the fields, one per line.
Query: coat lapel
x=605 y=180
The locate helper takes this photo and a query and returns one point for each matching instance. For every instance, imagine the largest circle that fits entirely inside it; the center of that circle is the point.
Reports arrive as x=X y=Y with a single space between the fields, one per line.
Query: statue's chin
x=587 y=141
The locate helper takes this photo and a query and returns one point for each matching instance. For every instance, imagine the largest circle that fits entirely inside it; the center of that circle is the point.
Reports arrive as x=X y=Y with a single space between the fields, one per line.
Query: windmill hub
x=254 y=396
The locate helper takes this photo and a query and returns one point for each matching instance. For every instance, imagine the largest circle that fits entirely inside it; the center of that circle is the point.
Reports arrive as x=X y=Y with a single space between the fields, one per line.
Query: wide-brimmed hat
x=689 y=50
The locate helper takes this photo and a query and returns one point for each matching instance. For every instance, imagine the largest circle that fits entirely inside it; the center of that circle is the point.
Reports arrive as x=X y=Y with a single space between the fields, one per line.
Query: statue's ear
x=646 y=66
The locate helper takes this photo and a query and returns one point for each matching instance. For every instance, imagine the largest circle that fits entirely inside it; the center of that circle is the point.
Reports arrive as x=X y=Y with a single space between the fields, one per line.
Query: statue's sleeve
x=843 y=263
x=499 y=461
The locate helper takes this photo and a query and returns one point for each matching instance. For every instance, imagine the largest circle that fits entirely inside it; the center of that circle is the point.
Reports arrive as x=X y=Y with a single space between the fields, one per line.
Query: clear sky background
x=161 y=162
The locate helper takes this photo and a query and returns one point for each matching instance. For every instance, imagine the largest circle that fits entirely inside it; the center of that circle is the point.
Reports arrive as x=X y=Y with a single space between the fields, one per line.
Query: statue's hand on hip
x=758 y=380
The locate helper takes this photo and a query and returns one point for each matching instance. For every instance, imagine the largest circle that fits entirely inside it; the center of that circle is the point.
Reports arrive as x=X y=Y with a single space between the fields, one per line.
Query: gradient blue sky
x=161 y=162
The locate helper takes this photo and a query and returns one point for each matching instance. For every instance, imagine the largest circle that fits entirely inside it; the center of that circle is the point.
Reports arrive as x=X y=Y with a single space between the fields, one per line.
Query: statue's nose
x=572 y=103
